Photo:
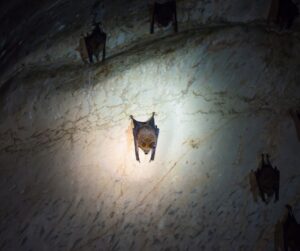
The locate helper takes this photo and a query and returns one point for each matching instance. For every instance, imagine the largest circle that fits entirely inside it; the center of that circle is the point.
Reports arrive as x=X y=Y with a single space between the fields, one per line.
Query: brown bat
x=163 y=14
x=267 y=179
x=145 y=136
x=291 y=232
x=283 y=13
x=91 y=45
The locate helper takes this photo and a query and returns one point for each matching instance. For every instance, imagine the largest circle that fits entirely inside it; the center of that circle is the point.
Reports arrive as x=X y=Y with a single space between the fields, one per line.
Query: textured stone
x=69 y=179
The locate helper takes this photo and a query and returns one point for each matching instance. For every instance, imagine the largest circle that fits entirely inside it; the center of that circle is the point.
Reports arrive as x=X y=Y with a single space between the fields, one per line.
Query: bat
x=145 y=136
x=267 y=179
x=91 y=45
x=163 y=14
x=291 y=232
x=283 y=13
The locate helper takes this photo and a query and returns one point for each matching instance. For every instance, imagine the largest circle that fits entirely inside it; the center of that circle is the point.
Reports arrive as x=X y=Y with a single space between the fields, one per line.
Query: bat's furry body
x=163 y=14
x=283 y=13
x=291 y=232
x=145 y=136
x=91 y=45
x=267 y=179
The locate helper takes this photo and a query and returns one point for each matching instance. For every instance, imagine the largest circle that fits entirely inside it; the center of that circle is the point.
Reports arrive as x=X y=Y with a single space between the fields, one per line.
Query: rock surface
x=222 y=93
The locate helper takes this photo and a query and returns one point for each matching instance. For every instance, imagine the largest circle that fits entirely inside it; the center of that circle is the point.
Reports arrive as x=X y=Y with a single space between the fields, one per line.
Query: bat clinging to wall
x=163 y=14
x=267 y=179
x=145 y=136
x=91 y=45
x=283 y=13
x=291 y=232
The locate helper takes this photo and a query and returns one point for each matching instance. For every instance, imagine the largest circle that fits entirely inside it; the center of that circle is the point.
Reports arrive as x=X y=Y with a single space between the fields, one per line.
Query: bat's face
x=146 y=138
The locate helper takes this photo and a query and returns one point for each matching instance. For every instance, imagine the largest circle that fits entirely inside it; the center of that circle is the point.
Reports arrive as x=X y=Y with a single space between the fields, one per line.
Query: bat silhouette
x=291 y=232
x=91 y=45
x=163 y=14
x=283 y=13
x=267 y=179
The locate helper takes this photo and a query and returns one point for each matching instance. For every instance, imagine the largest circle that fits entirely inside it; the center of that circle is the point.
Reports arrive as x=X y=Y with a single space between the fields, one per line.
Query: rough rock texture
x=43 y=31
x=69 y=179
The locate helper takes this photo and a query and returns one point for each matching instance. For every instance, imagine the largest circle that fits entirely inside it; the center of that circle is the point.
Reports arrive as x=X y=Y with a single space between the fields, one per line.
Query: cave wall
x=46 y=32
x=222 y=93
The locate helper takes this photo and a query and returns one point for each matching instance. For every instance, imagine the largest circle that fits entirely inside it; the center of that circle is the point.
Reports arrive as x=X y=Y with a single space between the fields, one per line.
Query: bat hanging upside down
x=268 y=178
x=145 y=136
x=163 y=14
x=291 y=231
x=92 y=45
x=283 y=13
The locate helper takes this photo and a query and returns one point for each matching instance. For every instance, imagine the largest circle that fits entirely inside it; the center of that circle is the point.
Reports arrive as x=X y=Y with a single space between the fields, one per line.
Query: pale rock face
x=69 y=178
